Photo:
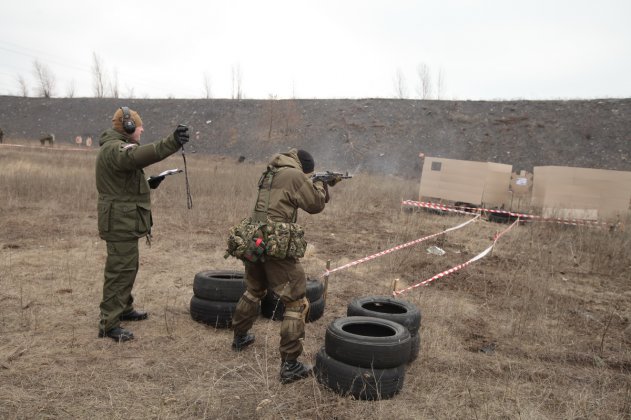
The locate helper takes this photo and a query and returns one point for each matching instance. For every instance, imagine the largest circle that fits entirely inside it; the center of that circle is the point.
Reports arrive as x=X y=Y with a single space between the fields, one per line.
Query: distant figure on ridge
x=48 y=137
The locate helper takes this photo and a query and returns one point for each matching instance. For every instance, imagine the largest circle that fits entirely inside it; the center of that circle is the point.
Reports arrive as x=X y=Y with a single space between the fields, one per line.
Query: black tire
x=316 y=310
x=500 y=217
x=466 y=207
x=361 y=383
x=415 y=347
x=273 y=308
x=214 y=313
x=386 y=307
x=315 y=289
x=222 y=286
x=368 y=342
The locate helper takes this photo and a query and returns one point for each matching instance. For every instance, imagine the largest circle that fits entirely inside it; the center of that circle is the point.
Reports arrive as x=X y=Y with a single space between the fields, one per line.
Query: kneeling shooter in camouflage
x=124 y=212
x=270 y=243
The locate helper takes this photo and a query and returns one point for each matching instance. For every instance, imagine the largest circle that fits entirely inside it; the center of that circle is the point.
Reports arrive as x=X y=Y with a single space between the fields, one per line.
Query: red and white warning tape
x=436 y=206
x=398 y=247
x=458 y=267
x=524 y=217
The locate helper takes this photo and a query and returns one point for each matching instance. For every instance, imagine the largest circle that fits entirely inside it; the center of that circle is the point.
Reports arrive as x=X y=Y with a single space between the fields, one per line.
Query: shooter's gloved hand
x=181 y=134
x=154 y=181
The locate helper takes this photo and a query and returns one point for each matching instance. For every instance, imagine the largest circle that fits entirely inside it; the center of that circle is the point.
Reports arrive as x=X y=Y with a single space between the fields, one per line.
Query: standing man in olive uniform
x=124 y=211
x=283 y=189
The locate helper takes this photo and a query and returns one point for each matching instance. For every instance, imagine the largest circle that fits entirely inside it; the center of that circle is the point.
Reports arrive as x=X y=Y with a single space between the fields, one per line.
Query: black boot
x=117 y=333
x=134 y=315
x=293 y=370
x=241 y=341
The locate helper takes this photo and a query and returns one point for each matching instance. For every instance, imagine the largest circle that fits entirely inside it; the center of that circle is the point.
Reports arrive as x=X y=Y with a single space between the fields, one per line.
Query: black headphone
x=129 y=125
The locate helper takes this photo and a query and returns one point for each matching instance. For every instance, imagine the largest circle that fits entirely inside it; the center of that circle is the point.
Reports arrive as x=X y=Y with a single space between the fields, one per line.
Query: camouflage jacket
x=291 y=190
x=124 y=204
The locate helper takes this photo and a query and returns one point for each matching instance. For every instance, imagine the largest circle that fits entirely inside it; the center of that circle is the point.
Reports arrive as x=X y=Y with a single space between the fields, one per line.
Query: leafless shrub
x=237 y=82
x=114 y=89
x=99 y=77
x=23 y=87
x=71 y=88
x=45 y=79
x=207 y=87
x=425 y=81
x=440 y=84
x=400 y=86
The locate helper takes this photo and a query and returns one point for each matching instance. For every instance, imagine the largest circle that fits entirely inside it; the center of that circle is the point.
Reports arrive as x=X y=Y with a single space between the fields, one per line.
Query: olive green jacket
x=291 y=190
x=124 y=205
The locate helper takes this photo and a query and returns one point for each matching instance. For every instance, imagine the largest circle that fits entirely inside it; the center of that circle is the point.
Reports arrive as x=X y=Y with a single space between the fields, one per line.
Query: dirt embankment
x=372 y=135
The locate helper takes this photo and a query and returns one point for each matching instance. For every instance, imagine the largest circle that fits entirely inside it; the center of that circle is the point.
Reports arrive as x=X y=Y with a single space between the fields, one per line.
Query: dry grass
x=536 y=330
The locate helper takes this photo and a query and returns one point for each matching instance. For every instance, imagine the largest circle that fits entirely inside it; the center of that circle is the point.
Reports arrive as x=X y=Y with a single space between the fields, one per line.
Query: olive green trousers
x=121 y=268
x=287 y=279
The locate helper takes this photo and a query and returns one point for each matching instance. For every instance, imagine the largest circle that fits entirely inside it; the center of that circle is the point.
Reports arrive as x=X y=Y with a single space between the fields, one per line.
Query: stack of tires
x=364 y=357
x=392 y=309
x=273 y=308
x=215 y=296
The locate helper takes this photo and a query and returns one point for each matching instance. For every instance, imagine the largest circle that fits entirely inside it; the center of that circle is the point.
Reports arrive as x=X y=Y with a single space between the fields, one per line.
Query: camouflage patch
x=278 y=240
x=281 y=240
x=240 y=238
x=286 y=240
x=297 y=244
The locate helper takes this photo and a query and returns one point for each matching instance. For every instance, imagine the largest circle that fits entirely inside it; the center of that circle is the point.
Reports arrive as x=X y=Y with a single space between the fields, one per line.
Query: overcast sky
x=495 y=49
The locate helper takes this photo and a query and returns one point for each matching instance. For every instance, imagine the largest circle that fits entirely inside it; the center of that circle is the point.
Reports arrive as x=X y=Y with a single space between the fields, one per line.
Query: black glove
x=181 y=134
x=154 y=181
x=327 y=195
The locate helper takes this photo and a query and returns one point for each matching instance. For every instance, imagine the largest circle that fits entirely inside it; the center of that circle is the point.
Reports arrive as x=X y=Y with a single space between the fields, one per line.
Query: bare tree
x=130 y=92
x=271 y=99
x=99 y=79
x=45 y=78
x=425 y=81
x=71 y=88
x=114 y=90
x=440 y=83
x=400 y=88
x=207 y=90
x=23 y=86
x=237 y=82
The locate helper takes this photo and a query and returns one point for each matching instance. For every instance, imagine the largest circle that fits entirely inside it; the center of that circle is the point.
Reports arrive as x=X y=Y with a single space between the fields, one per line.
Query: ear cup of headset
x=128 y=123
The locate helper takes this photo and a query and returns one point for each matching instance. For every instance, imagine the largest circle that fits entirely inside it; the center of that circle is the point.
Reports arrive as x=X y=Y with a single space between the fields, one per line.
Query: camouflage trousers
x=287 y=279
x=121 y=268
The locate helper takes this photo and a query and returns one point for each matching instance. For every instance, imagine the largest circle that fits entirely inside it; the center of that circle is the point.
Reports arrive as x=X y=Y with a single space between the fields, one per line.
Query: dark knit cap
x=306 y=160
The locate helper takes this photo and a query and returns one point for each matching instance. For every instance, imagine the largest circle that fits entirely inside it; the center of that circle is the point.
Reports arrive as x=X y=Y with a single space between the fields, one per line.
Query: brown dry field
x=551 y=306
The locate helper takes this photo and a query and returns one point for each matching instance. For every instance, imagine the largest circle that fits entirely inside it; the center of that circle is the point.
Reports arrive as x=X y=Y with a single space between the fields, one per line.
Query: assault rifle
x=329 y=177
